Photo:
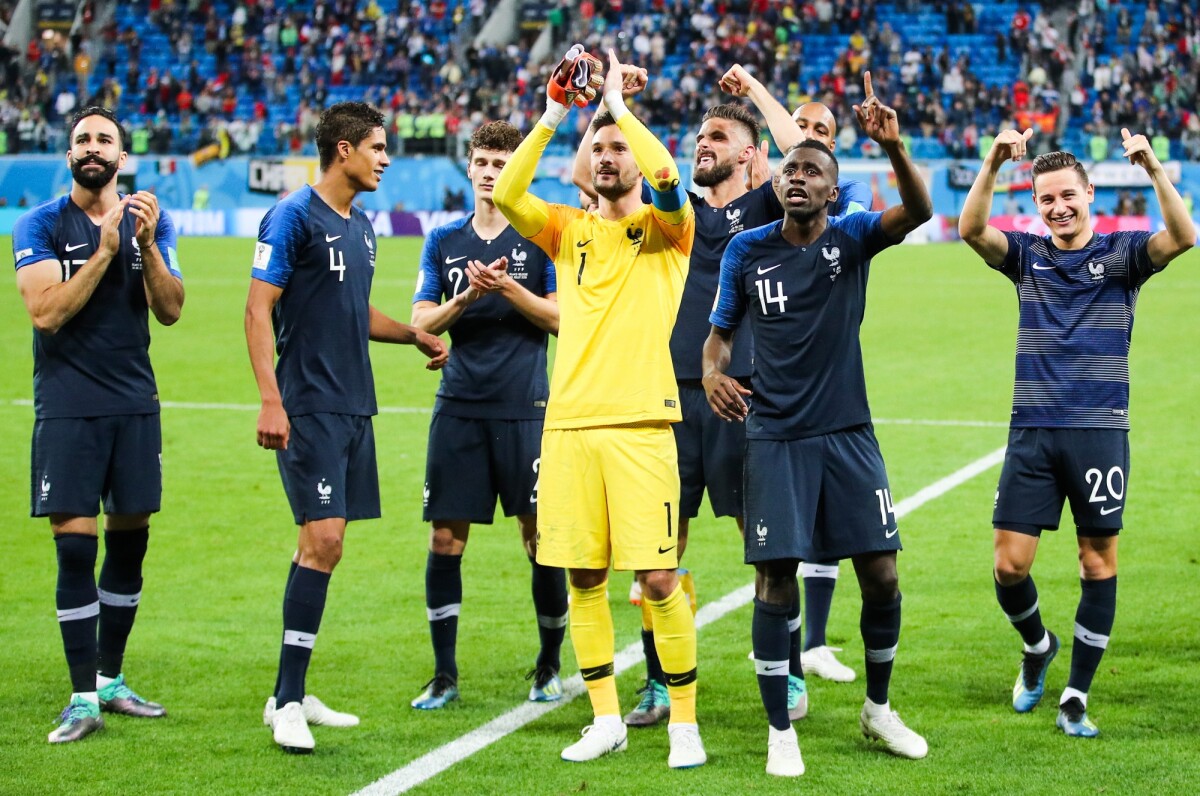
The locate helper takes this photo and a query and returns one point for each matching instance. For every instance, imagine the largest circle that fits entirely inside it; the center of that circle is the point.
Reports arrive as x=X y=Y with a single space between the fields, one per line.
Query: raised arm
x=633 y=81
x=740 y=83
x=1180 y=234
x=50 y=298
x=989 y=242
x=574 y=81
x=880 y=123
x=653 y=159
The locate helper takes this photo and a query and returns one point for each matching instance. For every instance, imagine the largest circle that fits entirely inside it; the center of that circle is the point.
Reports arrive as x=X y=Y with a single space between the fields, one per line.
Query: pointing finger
x=1125 y=134
x=867 y=85
x=1028 y=133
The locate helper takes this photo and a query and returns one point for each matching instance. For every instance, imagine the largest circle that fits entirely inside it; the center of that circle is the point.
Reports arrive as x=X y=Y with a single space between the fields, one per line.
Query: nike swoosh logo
x=774 y=668
x=331 y=238
x=441 y=614
x=305 y=639
x=1043 y=268
x=762 y=270
x=1110 y=511
x=581 y=244
x=1090 y=637
x=71 y=248
x=662 y=550
x=456 y=259
x=891 y=533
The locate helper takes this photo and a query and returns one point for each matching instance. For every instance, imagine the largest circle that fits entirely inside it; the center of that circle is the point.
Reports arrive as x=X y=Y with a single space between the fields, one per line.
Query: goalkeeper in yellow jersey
x=609 y=486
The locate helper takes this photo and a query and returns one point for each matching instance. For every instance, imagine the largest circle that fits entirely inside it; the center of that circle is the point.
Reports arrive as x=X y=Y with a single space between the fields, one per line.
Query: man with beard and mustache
x=815 y=484
x=609 y=476
x=91 y=265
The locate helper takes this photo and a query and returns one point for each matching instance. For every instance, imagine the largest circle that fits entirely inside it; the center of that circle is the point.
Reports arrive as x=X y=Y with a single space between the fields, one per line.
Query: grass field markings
x=432 y=763
x=424 y=410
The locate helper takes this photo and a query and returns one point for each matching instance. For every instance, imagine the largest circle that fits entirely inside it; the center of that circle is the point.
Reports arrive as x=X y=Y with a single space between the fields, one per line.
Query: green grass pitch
x=938 y=339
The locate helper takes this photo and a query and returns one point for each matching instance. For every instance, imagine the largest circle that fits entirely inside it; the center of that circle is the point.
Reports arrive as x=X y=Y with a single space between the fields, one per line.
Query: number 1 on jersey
x=582 y=263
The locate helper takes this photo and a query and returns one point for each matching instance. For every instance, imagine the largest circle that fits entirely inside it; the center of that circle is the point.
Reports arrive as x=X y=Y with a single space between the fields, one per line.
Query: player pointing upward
x=1069 y=433
x=815 y=484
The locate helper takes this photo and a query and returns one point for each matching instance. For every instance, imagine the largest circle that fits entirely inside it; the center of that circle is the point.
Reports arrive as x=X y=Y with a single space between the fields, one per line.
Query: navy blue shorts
x=1045 y=466
x=822 y=498
x=472 y=461
x=78 y=462
x=329 y=470
x=711 y=455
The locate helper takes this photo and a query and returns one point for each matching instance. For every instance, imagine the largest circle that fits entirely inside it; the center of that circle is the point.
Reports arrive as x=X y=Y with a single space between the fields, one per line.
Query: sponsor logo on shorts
x=425 y=495
x=324 y=491
x=45 y=488
x=760 y=530
x=891 y=533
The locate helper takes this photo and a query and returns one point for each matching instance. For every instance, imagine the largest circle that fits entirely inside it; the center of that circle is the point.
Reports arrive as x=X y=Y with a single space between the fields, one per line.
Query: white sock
x=610 y=723
x=775 y=734
x=874 y=711
x=90 y=696
x=1069 y=693
x=102 y=681
x=1041 y=648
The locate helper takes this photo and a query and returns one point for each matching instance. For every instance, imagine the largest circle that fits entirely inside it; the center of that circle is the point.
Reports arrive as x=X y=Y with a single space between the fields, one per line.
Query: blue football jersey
x=1076 y=323
x=715 y=227
x=805 y=305
x=325 y=264
x=497 y=365
x=98 y=364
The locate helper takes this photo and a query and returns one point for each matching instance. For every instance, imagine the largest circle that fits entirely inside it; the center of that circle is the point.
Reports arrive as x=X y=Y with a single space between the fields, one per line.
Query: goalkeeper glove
x=576 y=79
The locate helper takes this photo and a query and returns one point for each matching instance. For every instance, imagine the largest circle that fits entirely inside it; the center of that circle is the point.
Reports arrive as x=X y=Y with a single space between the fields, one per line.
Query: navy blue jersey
x=324 y=263
x=805 y=305
x=497 y=366
x=1075 y=327
x=715 y=227
x=98 y=363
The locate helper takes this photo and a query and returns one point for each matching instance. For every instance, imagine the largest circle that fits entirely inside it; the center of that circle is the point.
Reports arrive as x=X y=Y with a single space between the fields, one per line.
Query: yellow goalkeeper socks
x=675 y=638
x=592 y=637
x=688 y=584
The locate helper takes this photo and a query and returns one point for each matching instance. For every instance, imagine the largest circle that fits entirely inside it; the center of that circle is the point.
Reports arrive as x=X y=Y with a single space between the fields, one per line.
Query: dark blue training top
x=98 y=363
x=497 y=365
x=1075 y=327
x=715 y=227
x=805 y=305
x=325 y=264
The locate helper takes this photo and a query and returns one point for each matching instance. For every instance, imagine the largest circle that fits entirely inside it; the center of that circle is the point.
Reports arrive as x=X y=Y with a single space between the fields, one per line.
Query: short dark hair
x=812 y=143
x=603 y=119
x=736 y=112
x=497 y=136
x=1057 y=161
x=346 y=121
x=98 y=110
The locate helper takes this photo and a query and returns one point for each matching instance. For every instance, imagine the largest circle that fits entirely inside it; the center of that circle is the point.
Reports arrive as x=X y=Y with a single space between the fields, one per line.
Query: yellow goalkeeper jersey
x=619 y=287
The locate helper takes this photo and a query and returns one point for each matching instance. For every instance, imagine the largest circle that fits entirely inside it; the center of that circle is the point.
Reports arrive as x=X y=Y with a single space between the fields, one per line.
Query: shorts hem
x=1026 y=528
x=838 y=555
x=1097 y=533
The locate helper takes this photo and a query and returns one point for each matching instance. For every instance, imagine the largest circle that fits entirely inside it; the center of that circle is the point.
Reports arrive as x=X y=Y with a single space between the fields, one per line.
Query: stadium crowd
x=252 y=77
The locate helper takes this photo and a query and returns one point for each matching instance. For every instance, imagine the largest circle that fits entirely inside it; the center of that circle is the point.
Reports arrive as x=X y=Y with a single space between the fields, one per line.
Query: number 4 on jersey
x=339 y=265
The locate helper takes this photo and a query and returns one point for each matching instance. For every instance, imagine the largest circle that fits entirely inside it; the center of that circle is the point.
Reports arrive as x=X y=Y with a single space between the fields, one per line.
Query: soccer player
x=311 y=285
x=815 y=484
x=486 y=434
x=90 y=265
x=609 y=477
x=815 y=122
x=1069 y=433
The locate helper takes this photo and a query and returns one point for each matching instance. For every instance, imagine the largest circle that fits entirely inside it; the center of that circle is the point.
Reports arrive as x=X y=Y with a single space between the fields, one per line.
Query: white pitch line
x=424 y=410
x=435 y=762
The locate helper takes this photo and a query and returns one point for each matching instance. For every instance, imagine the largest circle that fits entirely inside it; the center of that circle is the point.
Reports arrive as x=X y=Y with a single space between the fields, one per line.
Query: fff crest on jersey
x=1096 y=270
x=635 y=234
x=735 y=220
x=833 y=260
x=516 y=263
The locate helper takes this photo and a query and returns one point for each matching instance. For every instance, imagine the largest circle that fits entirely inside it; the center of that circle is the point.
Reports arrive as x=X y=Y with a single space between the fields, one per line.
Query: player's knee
x=1009 y=571
x=1094 y=565
x=324 y=549
x=775 y=587
x=588 y=578
x=658 y=584
x=882 y=588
